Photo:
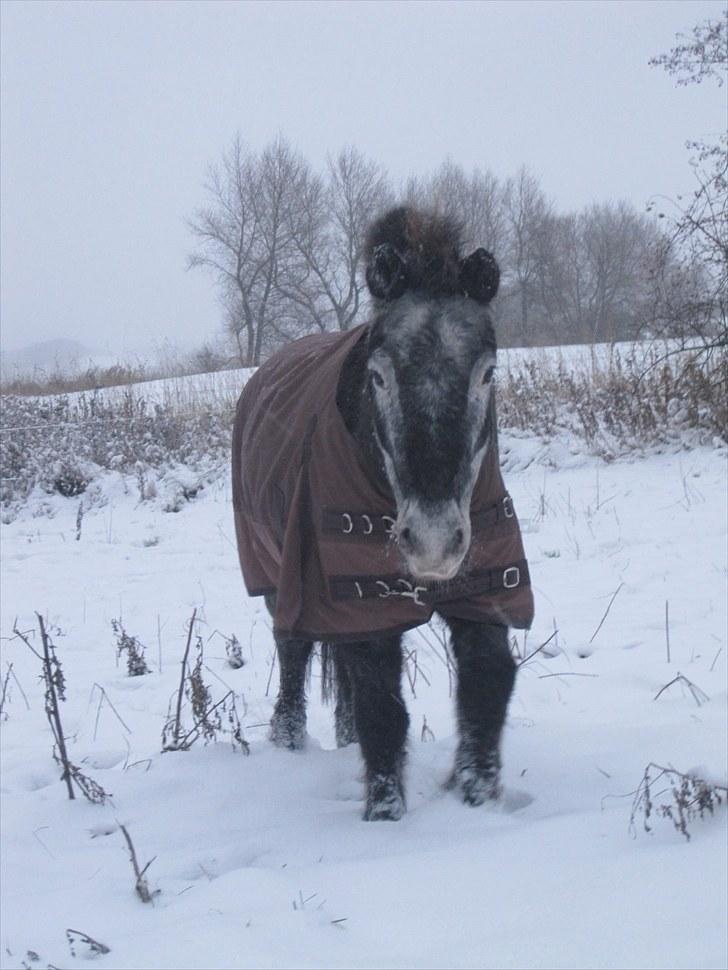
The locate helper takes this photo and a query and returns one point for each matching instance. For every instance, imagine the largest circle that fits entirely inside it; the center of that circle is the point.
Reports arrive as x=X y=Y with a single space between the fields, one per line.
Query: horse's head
x=431 y=357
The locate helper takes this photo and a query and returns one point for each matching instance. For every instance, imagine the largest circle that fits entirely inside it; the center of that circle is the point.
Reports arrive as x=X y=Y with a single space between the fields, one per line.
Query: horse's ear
x=480 y=276
x=386 y=273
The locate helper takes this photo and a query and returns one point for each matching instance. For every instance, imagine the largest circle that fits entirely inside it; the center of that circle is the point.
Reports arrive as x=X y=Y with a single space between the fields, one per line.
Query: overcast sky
x=111 y=112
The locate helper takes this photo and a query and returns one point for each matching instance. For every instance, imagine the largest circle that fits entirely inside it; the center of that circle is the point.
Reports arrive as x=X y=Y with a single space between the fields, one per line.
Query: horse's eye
x=376 y=377
x=488 y=376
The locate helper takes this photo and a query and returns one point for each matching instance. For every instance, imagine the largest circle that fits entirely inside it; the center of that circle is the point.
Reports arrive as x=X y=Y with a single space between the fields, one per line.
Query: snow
x=263 y=861
x=185 y=392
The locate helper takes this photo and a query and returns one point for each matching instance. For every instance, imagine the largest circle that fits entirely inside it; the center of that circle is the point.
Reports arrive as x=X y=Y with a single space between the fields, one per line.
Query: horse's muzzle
x=433 y=541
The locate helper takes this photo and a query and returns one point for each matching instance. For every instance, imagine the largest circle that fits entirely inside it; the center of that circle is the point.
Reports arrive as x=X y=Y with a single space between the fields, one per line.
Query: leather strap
x=484 y=581
x=368 y=525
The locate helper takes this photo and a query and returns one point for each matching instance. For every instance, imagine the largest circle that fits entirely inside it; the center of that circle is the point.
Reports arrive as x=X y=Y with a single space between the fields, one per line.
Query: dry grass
x=620 y=402
x=615 y=403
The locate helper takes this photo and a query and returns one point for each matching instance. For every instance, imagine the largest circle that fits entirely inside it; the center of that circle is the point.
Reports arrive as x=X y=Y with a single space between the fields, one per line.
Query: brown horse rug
x=314 y=522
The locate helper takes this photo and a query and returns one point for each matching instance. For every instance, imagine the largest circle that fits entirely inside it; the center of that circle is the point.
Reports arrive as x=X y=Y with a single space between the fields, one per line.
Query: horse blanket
x=314 y=520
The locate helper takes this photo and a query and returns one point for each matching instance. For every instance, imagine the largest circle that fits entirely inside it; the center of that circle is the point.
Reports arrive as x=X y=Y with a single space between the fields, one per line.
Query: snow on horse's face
x=432 y=354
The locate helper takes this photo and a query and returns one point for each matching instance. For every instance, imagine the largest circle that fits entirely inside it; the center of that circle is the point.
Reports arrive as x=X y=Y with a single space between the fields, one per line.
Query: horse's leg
x=486 y=674
x=344 y=710
x=288 y=724
x=381 y=721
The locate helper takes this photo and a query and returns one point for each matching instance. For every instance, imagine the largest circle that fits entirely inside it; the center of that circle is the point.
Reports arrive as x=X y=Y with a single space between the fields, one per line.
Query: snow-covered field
x=263 y=861
x=184 y=392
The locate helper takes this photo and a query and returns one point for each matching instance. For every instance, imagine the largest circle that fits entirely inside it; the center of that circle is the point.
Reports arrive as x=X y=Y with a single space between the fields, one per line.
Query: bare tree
x=473 y=199
x=705 y=56
x=690 y=270
x=562 y=277
x=592 y=272
x=526 y=211
x=323 y=285
x=244 y=236
x=616 y=241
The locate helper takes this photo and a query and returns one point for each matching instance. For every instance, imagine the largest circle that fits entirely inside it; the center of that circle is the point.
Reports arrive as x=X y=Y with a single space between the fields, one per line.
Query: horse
x=367 y=496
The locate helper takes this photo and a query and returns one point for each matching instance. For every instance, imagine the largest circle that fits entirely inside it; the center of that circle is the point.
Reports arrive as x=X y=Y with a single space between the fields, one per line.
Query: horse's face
x=430 y=375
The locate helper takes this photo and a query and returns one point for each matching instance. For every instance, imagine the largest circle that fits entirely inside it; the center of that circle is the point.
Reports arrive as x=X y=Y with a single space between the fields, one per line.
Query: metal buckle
x=411 y=592
x=416 y=595
x=389 y=529
x=516 y=572
x=368 y=527
x=508 y=507
x=348 y=523
x=387 y=591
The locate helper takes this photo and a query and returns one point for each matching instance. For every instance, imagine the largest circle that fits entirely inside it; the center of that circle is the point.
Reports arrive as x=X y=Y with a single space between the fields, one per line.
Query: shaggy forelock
x=428 y=243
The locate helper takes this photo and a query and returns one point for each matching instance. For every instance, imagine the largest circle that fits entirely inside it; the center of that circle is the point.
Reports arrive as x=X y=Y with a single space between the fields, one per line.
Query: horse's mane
x=427 y=242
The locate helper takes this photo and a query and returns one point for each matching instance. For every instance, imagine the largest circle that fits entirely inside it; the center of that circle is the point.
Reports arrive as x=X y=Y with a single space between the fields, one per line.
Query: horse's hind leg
x=336 y=686
x=344 y=710
x=381 y=721
x=288 y=724
x=486 y=674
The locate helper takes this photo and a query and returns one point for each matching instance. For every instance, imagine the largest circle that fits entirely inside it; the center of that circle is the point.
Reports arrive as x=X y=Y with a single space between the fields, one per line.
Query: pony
x=368 y=496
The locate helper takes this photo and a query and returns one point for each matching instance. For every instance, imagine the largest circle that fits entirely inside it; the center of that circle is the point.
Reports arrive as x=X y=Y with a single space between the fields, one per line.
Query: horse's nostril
x=459 y=537
x=405 y=535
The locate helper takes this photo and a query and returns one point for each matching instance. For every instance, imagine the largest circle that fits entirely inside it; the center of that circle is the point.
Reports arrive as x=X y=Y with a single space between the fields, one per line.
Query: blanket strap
x=366 y=525
x=484 y=581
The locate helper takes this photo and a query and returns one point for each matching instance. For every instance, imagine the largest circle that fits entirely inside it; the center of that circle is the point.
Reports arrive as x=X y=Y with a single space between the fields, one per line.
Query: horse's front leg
x=288 y=724
x=486 y=674
x=381 y=721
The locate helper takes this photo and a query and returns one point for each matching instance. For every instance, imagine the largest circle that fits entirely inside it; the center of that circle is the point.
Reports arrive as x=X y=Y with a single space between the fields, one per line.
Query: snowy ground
x=185 y=392
x=263 y=861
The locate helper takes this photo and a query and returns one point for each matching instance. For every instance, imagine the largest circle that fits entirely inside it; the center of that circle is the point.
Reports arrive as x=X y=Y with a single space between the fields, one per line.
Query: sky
x=112 y=112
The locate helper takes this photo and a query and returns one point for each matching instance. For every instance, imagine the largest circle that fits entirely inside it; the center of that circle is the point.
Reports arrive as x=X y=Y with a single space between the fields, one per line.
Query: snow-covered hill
x=263 y=861
x=60 y=355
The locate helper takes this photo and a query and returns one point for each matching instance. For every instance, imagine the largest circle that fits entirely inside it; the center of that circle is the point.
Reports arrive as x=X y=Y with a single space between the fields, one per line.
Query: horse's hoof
x=475 y=788
x=288 y=733
x=385 y=800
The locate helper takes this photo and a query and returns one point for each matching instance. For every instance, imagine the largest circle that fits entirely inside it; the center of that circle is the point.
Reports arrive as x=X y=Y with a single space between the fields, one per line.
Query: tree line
x=284 y=242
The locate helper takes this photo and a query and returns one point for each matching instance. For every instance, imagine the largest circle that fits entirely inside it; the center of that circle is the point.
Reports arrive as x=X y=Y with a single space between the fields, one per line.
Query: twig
x=178 y=715
x=270 y=672
x=142 y=886
x=105 y=697
x=94 y=945
x=426 y=734
x=22 y=692
x=606 y=612
x=52 y=711
x=142 y=761
x=537 y=650
x=445 y=659
x=667 y=628
x=40 y=841
x=54 y=693
x=197 y=727
x=699 y=696
x=715 y=659
x=567 y=673
x=5 y=688
x=218 y=677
